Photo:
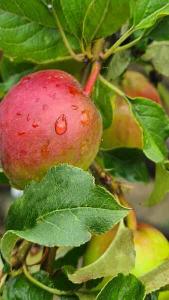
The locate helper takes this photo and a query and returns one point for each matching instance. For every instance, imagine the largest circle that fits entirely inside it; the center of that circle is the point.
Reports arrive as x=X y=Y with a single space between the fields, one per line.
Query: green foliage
x=157 y=278
x=126 y=163
x=20 y=288
x=161 y=185
x=102 y=98
x=28 y=35
x=147 y=12
x=123 y=287
x=152 y=120
x=157 y=54
x=118 y=258
x=66 y=208
x=46 y=207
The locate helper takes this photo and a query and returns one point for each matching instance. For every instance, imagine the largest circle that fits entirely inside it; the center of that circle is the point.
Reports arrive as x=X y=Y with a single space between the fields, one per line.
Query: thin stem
x=111 y=50
x=115 y=188
x=22 y=252
x=50 y=260
x=112 y=86
x=96 y=67
x=78 y=57
x=127 y=46
x=41 y=285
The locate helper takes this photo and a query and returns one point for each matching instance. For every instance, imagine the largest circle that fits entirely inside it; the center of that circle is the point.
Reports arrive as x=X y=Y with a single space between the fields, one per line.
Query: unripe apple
x=45 y=120
x=151 y=247
x=124 y=130
x=163 y=295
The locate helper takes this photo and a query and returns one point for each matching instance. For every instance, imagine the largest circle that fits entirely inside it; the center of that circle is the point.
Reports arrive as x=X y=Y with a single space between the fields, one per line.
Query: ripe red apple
x=151 y=247
x=124 y=130
x=45 y=120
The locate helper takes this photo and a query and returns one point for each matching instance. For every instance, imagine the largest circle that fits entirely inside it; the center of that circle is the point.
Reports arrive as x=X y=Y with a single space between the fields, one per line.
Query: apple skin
x=136 y=84
x=124 y=130
x=45 y=120
x=163 y=295
x=151 y=246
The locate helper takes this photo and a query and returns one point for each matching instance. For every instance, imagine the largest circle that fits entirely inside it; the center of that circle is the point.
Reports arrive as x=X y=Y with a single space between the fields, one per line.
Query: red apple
x=124 y=130
x=45 y=120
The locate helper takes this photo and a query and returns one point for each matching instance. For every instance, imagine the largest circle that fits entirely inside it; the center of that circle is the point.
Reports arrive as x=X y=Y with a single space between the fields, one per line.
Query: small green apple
x=151 y=247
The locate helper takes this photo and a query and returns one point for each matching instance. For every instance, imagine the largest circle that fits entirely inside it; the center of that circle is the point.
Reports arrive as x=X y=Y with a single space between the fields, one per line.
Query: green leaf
x=65 y=203
x=102 y=96
x=155 y=125
x=147 y=12
x=157 y=54
x=160 y=32
x=118 y=65
x=19 y=288
x=123 y=287
x=28 y=32
x=126 y=163
x=104 y=17
x=70 y=258
x=161 y=185
x=119 y=257
x=157 y=278
x=28 y=10
x=74 y=12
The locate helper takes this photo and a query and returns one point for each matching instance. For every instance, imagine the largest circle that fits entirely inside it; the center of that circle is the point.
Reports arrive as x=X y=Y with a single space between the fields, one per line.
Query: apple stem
x=112 y=49
x=95 y=71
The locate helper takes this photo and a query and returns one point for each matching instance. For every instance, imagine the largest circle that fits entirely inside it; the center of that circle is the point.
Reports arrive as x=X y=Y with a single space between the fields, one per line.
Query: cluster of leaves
x=38 y=34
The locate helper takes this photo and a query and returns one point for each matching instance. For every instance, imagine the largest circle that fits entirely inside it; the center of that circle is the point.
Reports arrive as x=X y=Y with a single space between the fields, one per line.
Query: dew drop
x=74 y=107
x=28 y=117
x=21 y=133
x=18 y=114
x=61 y=125
x=35 y=125
x=85 y=117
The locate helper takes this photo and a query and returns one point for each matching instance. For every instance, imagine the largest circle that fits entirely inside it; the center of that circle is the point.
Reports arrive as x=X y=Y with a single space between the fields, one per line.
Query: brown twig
x=115 y=187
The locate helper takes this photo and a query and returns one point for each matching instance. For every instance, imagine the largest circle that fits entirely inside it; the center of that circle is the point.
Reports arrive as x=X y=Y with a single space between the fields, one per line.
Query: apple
x=124 y=130
x=163 y=295
x=46 y=119
x=135 y=84
x=151 y=248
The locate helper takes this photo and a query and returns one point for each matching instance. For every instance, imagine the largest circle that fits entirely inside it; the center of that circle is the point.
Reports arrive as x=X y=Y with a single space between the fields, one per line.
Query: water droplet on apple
x=61 y=125
x=35 y=125
x=85 y=117
x=74 y=107
x=28 y=117
x=21 y=133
